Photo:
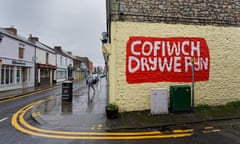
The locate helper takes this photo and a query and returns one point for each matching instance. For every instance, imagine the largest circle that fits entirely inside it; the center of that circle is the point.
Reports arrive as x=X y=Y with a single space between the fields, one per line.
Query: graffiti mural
x=152 y=59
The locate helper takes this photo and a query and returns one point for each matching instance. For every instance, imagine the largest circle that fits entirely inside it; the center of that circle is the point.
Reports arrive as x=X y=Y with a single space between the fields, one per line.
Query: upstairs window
x=21 y=53
x=47 y=58
x=61 y=60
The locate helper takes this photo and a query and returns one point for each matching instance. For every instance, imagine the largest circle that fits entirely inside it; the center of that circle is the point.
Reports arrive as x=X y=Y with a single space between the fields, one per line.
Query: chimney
x=12 y=30
x=33 y=39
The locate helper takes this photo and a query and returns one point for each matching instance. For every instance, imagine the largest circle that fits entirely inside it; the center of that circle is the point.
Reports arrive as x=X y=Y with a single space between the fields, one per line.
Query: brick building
x=151 y=44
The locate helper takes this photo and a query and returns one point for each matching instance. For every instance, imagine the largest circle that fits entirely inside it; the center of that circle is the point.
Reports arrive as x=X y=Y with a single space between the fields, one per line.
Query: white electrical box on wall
x=159 y=101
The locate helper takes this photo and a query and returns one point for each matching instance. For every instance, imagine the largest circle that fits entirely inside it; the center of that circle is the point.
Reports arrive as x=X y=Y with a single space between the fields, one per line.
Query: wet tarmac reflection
x=67 y=107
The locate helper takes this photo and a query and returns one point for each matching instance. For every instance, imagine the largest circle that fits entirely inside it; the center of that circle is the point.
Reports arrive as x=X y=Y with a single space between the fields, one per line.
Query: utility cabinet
x=159 y=101
x=180 y=98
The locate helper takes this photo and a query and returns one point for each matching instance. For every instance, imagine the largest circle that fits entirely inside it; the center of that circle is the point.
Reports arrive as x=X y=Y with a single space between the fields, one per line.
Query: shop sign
x=15 y=62
x=46 y=66
x=153 y=59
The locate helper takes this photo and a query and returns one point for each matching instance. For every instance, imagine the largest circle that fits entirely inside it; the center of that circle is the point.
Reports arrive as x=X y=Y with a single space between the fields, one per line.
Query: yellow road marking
x=23 y=122
x=36 y=114
x=10 y=97
x=88 y=135
x=182 y=131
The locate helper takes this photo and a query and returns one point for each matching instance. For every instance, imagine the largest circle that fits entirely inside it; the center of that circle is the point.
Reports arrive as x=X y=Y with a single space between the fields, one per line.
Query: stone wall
x=203 y=12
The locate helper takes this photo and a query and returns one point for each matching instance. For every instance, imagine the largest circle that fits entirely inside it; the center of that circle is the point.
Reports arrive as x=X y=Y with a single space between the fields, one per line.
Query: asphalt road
x=220 y=132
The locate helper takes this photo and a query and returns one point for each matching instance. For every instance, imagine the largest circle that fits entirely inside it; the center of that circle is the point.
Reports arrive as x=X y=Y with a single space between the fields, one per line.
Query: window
x=44 y=73
x=47 y=57
x=21 y=53
x=7 y=75
x=11 y=74
x=18 y=74
x=29 y=74
x=61 y=74
x=60 y=60
x=2 y=75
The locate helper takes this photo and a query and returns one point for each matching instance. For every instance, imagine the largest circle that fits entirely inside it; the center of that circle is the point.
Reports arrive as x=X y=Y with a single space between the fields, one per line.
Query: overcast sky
x=76 y=25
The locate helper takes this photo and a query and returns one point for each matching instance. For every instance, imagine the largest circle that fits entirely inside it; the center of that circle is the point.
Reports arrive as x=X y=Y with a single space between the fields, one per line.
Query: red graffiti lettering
x=151 y=59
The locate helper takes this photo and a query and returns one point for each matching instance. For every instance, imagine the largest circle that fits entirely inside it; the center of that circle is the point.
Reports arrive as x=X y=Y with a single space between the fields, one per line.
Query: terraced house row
x=27 y=62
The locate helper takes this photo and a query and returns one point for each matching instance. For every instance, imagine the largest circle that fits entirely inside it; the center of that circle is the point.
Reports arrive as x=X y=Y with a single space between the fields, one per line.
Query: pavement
x=5 y=95
x=83 y=115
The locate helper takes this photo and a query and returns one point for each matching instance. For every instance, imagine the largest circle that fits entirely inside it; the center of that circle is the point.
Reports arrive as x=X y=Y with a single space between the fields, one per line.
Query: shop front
x=16 y=74
x=61 y=74
x=46 y=74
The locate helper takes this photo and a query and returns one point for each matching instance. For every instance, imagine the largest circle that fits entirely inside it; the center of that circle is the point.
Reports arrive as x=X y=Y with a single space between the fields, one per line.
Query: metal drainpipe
x=193 y=75
x=35 y=67
x=107 y=75
x=109 y=21
x=109 y=40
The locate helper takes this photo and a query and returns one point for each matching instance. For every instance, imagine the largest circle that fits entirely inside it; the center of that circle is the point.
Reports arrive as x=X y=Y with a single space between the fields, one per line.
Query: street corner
x=97 y=131
x=42 y=107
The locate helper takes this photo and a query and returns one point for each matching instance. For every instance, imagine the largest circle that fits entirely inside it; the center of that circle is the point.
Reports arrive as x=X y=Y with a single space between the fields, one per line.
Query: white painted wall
x=9 y=52
x=62 y=66
x=65 y=61
x=41 y=57
x=9 y=49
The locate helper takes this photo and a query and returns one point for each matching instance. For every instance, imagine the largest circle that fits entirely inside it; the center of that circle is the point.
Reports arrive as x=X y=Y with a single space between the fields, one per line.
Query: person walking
x=89 y=81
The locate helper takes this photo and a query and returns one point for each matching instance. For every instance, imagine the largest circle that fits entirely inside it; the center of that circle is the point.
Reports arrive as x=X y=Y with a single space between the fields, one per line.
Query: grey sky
x=76 y=25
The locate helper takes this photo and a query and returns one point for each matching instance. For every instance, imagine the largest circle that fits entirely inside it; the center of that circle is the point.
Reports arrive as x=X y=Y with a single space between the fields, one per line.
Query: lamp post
x=70 y=70
x=106 y=39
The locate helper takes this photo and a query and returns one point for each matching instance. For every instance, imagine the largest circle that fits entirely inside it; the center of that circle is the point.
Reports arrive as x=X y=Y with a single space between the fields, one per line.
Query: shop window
x=20 y=53
x=2 y=75
x=7 y=75
x=44 y=73
x=29 y=74
x=61 y=74
x=11 y=75
x=18 y=75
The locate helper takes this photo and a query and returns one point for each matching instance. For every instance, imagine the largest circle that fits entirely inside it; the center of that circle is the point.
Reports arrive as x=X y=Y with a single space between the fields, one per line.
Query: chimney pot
x=69 y=52
x=33 y=39
x=12 y=30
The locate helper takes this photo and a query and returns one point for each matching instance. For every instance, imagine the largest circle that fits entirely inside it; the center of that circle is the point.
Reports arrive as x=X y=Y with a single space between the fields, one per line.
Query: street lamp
x=70 y=72
x=104 y=38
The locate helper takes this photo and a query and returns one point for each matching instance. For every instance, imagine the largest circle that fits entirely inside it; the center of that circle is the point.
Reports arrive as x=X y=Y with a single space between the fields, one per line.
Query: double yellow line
x=20 y=124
